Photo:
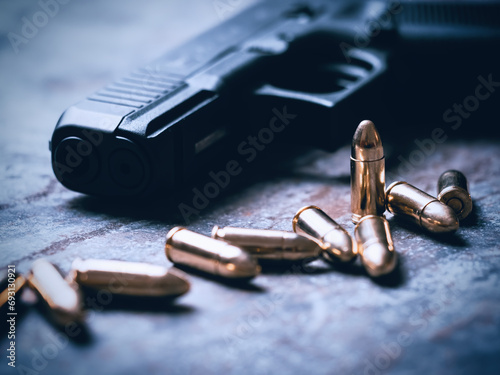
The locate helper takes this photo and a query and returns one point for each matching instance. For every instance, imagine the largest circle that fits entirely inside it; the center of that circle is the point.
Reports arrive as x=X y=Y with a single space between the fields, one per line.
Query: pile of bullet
x=239 y=253
x=63 y=298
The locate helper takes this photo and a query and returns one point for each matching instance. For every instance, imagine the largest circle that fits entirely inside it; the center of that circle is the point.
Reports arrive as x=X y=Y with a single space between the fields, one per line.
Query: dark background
x=441 y=315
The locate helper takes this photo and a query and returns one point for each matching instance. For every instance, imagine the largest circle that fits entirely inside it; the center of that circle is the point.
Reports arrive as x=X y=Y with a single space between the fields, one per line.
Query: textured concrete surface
x=440 y=314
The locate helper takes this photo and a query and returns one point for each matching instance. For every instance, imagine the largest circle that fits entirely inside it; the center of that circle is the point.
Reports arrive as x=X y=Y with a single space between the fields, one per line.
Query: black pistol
x=321 y=66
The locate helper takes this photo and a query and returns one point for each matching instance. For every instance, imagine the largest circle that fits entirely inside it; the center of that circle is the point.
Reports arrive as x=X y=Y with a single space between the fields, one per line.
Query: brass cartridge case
x=336 y=243
x=266 y=244
x=375 y=246
x=63 y=300
x=453 y=191
x=421 y=208
x=367 y=172
x=129 y=278
x=10 y=288
x=206 y=254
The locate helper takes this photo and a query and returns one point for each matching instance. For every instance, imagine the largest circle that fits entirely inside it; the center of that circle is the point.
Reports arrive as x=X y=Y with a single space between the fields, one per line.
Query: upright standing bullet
x=336 y=243
x=266 y=244
x=209 y=255
x=421 y=208
x=367 y=172
x=453 y=191
x=63 y=300
x=375 y=245
x=129 y=278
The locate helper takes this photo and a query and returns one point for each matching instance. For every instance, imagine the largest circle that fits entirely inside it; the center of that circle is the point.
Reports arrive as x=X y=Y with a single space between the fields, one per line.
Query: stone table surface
x=439 y=315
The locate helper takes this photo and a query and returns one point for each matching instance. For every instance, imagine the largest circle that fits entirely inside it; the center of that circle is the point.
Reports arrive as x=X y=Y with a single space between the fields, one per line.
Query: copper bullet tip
x=335 y=242
x=176 y=282
x=375 y=245
x=378 y=261
x=339 y=246
x=241 y=265
x=437 y=217
x=366 y=143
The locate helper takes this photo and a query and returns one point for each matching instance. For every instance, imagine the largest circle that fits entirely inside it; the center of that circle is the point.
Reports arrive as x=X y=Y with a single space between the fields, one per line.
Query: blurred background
x=441 y=315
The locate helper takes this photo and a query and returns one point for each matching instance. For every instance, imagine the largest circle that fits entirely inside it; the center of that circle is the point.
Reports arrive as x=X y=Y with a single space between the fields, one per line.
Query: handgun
x=315 y=69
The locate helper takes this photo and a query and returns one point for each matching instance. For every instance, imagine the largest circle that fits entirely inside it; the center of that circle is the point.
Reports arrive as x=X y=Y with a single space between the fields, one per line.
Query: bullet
x=11 y=284
x=453 y=191
x=367 y=172
x=421 y=208
x=375 y=246
x=206 y=254
x=336 y=243
x=62 y=299
x=269 y=244
x=129 y=278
